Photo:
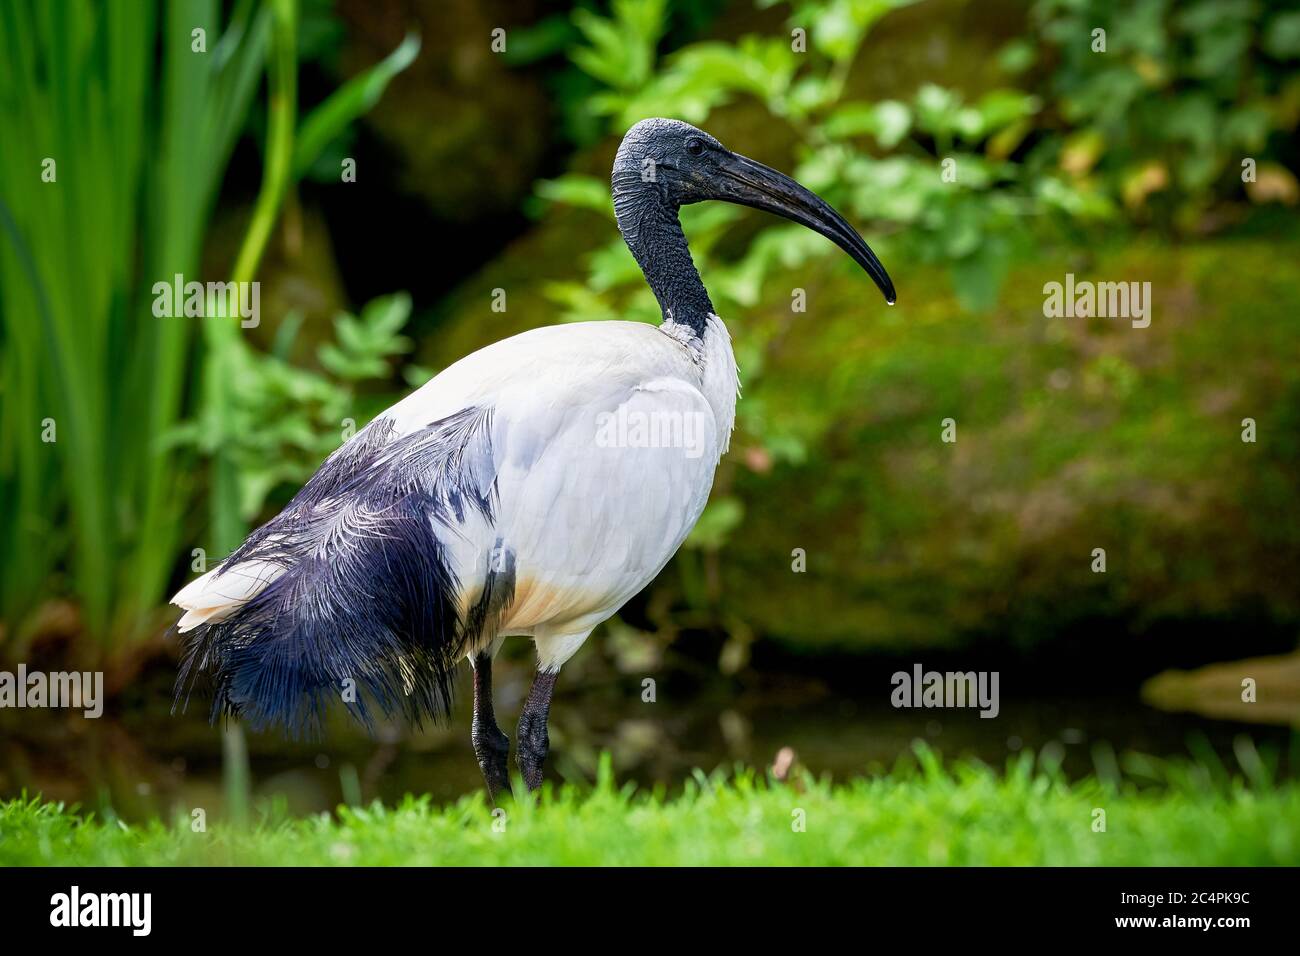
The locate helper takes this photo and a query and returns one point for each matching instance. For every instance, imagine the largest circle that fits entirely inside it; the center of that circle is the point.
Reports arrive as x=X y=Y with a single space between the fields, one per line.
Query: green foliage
x=620 y=51
x=141 y=125
x=971 y=226
x=921 y=813
x=1183 y=91
x=290 y=153
x=141 y=129
x=347 y=104
x=721 y=516
x=282 y=420
x=366 y=344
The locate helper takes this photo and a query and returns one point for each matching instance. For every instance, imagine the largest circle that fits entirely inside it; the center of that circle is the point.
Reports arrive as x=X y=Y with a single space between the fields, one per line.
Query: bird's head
x=679 y=164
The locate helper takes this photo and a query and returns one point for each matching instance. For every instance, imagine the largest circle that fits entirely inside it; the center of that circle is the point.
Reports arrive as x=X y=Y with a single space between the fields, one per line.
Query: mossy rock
x=1072 y=435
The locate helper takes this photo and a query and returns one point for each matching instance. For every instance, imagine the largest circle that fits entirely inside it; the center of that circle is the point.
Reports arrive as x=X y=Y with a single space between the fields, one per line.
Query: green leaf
x=1017 y=56
x=350 y=101
x=1001 y=108
x=978 y=277
x=583 y=192
x=721 y=516
x=887 y=121
x=1282 y=36
x=621 y=50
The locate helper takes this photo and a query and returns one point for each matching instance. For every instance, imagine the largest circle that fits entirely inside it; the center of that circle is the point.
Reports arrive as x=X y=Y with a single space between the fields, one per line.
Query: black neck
x=652 y=230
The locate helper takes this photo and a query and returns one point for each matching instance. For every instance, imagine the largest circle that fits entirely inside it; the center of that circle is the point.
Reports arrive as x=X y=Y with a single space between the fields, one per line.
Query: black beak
x=748 y=183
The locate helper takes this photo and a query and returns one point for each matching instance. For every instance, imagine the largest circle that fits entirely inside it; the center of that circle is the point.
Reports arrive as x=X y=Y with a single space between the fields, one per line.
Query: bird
x=529 y=490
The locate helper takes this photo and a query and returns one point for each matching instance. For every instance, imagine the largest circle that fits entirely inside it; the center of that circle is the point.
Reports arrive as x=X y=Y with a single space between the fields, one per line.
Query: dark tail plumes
x=366 y=600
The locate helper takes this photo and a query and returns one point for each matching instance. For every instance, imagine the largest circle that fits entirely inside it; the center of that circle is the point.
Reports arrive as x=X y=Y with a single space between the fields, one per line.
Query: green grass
x=964 y=815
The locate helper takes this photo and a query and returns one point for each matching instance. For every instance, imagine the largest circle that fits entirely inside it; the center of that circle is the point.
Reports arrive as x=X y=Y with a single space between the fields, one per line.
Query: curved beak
x=748 y=183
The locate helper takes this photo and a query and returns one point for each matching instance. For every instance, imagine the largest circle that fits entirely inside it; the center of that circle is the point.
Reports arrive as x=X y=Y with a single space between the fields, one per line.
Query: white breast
x=606 y=437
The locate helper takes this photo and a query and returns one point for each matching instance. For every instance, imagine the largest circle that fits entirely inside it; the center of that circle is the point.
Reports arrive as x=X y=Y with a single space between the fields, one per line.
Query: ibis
x=497 y=500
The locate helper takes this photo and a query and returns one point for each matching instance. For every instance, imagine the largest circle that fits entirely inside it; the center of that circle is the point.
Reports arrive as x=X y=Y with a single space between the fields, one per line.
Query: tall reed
x=116 y=124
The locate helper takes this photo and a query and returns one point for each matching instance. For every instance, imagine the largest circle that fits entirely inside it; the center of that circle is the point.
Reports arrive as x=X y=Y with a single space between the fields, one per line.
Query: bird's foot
x=492 y=747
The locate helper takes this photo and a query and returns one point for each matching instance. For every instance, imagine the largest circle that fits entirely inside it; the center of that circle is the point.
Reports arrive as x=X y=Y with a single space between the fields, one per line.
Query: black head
x=677 y=164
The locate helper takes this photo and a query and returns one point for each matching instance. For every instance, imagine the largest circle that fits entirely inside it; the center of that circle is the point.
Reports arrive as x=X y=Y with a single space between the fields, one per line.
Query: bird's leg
x=491 y=746
x=532 y=741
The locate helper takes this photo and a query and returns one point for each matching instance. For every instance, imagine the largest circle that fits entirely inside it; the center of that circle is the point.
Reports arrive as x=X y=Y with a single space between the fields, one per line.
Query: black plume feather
x=366 y=594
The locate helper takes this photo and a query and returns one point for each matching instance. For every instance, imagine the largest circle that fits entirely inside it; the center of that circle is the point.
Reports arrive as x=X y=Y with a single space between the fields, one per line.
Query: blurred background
x=382 y=167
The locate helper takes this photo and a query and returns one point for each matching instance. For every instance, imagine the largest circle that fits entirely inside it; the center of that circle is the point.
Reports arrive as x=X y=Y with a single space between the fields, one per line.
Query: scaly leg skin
x=531 y=740
x=491 y=745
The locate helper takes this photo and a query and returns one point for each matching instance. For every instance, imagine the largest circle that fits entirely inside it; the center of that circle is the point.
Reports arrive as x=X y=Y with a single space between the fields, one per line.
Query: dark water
x=138 y=760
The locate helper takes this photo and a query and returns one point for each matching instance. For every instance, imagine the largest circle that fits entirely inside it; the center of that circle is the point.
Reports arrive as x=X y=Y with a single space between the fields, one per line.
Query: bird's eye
x=695 y=146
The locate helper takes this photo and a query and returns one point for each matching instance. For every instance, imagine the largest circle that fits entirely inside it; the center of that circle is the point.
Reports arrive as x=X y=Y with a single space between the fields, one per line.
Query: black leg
x=491 y=746
x=532 y=741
